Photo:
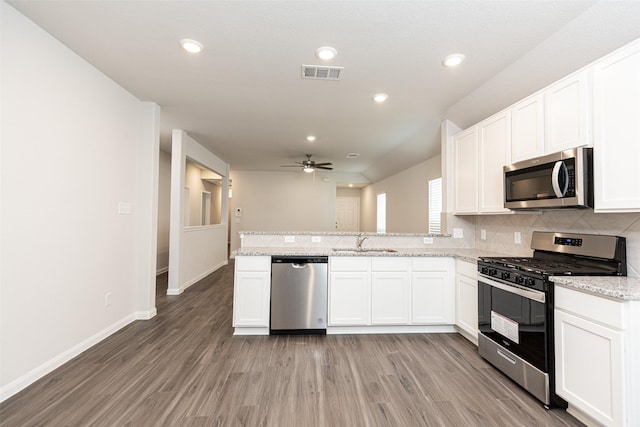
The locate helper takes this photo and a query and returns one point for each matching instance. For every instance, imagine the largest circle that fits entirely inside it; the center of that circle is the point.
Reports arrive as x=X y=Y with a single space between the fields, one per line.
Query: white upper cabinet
x=479 y=154
x=567 y=113
x=616 y=131
x=527 y=129
x=494 y=151
x=465 y=171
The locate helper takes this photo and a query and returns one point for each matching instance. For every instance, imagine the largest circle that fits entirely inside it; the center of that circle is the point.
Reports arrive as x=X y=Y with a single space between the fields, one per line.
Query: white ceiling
x=243 y=96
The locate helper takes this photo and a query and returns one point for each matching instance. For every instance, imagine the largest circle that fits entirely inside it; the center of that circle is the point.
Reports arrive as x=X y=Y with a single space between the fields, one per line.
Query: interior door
x=347 y=214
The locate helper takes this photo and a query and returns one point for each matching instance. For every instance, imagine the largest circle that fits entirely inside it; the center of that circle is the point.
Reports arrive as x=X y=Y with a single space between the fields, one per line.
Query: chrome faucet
x=361 y=240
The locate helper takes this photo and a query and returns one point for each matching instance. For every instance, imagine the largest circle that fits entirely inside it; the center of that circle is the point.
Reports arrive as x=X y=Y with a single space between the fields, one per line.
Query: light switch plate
x=458 y=233
x=124 y=208
x=428 y=240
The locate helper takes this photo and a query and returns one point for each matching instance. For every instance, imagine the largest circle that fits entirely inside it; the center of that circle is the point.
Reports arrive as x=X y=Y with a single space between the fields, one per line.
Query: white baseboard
x=146 y=315
x=162 y=270
x=196 y=279
x=29 y=378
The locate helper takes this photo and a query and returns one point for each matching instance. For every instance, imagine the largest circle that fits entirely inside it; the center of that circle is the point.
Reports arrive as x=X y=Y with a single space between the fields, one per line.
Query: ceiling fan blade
x=324 y=164
x=324 y=167
x=289 y=166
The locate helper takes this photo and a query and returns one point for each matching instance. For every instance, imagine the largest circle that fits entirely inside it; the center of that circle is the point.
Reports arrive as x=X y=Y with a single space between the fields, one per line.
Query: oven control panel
x=567 y=241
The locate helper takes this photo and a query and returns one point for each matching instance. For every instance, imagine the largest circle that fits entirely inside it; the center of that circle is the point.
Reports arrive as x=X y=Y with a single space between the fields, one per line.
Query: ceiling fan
x=310 y=165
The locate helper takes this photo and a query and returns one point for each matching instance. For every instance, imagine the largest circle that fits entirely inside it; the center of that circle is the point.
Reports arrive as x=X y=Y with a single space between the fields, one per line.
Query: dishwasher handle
x=298 y=260
x=296 y=265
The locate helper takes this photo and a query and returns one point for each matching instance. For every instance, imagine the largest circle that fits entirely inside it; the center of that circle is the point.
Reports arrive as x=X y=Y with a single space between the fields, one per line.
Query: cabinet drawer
x=468 y=269
x=253 y=263
x=349 y=263
x=431 y=264
x=598 y=309
x=390 y=264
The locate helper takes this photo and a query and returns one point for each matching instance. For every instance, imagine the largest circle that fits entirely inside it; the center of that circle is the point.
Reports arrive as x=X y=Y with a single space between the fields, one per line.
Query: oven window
x=516 y=323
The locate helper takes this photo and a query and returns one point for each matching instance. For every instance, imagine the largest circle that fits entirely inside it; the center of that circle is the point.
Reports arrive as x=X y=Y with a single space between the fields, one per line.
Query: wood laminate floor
x=185 y=368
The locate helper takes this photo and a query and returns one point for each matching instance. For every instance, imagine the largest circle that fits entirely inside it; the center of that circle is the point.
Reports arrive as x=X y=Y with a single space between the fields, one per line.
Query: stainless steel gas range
x=515 y=303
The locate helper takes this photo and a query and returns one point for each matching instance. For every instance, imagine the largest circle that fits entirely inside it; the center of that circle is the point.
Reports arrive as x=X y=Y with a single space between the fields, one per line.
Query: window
x=381 y=213
x=435 y=205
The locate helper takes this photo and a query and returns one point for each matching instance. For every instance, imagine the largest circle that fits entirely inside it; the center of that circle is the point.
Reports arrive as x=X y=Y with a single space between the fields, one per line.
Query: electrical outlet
x=289 y=239
x=517 y=237
x=316 y=239
x=483 y=234
x=458 y=233
x=428 y=240
x=107 y=299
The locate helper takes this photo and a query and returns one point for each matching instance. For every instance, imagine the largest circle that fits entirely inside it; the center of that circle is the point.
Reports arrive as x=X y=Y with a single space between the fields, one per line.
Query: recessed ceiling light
x=350 y=185
x=453 y=60
x=380 y=97
x=192 y=46
x=311 y=138
x=326 y=52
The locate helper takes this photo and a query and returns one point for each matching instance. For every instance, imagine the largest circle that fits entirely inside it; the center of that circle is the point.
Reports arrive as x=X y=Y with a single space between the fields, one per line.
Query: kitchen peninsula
x=378 y=283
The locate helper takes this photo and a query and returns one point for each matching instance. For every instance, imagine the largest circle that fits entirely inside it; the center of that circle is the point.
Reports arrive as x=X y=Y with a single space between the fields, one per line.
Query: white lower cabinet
x=467 y=299
x=432 y=291
x=252 y=291
x=349 y=291
x=390 y=291
x=596 y=357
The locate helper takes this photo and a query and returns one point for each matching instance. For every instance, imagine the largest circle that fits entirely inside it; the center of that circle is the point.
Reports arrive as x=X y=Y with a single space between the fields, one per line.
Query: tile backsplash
x=500 y=229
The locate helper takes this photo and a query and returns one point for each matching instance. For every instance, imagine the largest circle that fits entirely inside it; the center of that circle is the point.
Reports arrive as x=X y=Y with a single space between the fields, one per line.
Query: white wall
x=164 y=203
x=407 y=199
x=79 y=145
x=281 y=201
x=194 y=252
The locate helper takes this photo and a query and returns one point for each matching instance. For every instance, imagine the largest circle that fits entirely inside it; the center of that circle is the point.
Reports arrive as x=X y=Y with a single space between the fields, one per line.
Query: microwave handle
x=559 y=168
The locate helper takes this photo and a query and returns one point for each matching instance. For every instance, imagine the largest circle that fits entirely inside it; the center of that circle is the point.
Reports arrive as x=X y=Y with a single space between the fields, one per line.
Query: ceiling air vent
x=353 y=155
x=319 y=72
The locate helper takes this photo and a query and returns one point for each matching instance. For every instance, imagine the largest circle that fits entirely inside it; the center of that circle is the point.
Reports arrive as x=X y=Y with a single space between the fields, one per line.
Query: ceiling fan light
x=307 y=169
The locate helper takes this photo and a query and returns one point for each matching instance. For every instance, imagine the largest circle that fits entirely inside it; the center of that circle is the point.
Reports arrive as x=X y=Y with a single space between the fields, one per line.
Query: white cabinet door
x=589 y=367
x=349 y=298
x=390 y=296
x=467 y=299
x=465 y=171
x=251 y=297
x=616 y=123
x=567 y=113
x=494 y=152
x=432 y=291
x=527 y=129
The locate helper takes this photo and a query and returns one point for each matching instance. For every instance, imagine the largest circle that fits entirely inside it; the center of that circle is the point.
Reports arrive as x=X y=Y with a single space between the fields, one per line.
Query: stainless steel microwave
x=559 y=180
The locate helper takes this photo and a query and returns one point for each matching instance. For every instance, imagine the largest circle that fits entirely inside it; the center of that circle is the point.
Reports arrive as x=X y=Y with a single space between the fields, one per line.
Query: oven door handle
x=526 y=293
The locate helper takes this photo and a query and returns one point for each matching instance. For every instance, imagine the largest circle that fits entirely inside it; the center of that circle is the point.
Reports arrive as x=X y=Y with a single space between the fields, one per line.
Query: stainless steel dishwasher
x=298 y=295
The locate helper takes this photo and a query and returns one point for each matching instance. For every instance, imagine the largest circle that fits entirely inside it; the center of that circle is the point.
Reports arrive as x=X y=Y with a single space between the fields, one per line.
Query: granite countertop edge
x=338 y=233
x=468 y=255
x=616 y=287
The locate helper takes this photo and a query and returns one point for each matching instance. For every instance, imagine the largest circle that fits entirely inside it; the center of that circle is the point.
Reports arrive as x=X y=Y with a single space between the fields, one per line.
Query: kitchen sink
x=364 y=250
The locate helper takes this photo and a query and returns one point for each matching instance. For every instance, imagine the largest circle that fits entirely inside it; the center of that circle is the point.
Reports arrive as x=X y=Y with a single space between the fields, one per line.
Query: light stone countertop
x=338 y=233
x=468 y=255
x=621 y=288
